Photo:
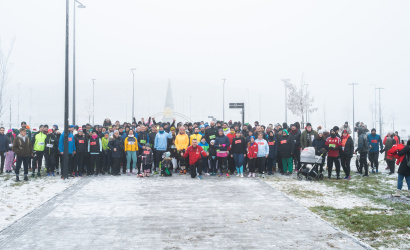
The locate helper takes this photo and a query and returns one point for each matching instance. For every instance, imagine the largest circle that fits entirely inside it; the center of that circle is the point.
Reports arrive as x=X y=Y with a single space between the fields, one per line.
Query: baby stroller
x=308 y=156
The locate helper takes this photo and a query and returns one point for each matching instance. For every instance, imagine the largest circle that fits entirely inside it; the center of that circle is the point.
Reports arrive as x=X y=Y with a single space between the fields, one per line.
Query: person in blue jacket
x=273 y=152
x=160 y=144
x=375 y=145
x=263 y=153
x=71 y=149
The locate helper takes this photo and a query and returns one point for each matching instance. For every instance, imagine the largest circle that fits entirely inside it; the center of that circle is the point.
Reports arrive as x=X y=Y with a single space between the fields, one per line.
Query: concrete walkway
x=172 y=213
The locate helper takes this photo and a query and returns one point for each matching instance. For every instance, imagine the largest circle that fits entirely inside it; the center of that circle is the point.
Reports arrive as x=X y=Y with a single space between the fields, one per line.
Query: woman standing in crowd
x=131 y=149
x=238 y=150
x=222 y=145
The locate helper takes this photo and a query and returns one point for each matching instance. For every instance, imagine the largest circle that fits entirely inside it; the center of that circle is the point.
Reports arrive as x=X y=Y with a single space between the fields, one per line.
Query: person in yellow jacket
x=181 y=143
x=131 y=150
x=196 y=136
x=181 y=140
x=38 y=149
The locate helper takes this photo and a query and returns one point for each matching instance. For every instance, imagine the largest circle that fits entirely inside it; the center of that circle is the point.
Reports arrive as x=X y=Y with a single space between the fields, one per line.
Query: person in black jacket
x=319 y=145
x=286 y=147
x=211 y=133
x=273 y=151
x=117 y=147
x=404 y=170
x=346 y=153
x=212 y=158
x=81 y=144
x=295 y=134
x=50 y=152
x=238 y=150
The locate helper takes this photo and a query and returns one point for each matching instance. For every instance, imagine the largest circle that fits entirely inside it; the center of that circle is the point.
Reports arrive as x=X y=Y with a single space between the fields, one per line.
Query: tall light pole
x=375 y=106
x=64 y=170
x=223 y=100
x=133 y=92
x=353 y=84
x=380 y=112
x=79 y=6
x=93 y=99
x=286 y=82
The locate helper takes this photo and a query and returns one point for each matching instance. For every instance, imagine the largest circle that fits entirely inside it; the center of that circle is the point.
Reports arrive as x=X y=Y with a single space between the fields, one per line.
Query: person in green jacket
x=308 y=136
x=106 y=154
x=38 y=149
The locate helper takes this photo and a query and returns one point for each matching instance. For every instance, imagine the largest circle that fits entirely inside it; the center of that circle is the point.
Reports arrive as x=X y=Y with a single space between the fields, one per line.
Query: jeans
x=131 y=155
x=271 y=164
x=400 y=181
x=23 y=160
x=238 y=160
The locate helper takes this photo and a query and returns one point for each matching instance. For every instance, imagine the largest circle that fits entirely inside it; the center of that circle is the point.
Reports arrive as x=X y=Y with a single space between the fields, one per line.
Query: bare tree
x=5 y=69
x=300 y=101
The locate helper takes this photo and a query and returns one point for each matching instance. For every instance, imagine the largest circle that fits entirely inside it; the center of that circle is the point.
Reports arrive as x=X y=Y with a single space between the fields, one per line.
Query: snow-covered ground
x=20 y=198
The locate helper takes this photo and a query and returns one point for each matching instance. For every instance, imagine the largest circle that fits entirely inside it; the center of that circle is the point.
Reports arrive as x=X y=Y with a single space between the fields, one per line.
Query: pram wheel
x=300 y=176
x=320 y=176
x=309 y=178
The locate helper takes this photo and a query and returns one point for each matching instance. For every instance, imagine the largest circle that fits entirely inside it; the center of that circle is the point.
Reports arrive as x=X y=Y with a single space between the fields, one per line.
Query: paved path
x=172 y=213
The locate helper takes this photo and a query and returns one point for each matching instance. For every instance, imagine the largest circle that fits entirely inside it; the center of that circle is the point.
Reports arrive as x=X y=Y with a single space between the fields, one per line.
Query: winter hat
x=286 y=131
x=345 y=131
x=308 y=124
x=9 y=131
x=212 y=141
x=172 y=128
x=202 y=126
x=346 y=123
x=373 y=129
x=50 y=130
x=253 y=137
x=320 y=132
x=219 y=130
x=335 y=128
x=147 y=145
x=80 y=129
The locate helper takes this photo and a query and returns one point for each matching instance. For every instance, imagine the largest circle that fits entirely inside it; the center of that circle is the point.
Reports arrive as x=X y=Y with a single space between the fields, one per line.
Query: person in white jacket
x=263 y=152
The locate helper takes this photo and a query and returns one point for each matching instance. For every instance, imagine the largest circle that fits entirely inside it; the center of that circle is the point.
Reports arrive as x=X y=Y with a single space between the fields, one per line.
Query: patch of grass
x=293 y=191
x=379 y=227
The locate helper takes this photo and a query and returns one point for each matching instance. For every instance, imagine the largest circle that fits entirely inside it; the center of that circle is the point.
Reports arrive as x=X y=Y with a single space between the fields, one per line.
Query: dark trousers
x=156 y=162
x=123 y=161
x=374 y=159
x=212 y=161
x=271 y=165
x=260 y=162
x=158 y=158
x=296 y=158
x=58 y=161
x=231 y=164
x=79 y=162
x=280 y=164
x=116 y=165
x=330 y=161
x=197 y=166
x=363 y=164
x=391 y=166
x=205 y=164
x=345 y=160
x=94 y=161
x=25 y=161
x=106 y=161
x=252 y=164
x=50 y=162
x=37 y=160
x=221 y=163
x=3 y=158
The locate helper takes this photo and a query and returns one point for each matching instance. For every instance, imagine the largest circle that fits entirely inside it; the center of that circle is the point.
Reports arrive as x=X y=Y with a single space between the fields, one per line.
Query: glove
x=382 y=151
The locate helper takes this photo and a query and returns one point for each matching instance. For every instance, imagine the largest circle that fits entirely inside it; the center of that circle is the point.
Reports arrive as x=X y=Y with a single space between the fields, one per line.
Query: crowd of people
x=215 y=148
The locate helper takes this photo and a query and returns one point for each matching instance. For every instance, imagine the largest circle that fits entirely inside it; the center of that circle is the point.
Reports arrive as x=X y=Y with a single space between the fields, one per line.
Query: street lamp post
x=223 y=100
x=93 y=99
x=353 y=84
x=286 y=82
x=133 y=92
x=380 y=112
x=79 y=6
x=64 y=170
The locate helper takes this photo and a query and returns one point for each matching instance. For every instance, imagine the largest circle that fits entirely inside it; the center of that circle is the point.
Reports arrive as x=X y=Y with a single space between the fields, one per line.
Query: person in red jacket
x=195 y=154
x=252 y=154
x=333 y=145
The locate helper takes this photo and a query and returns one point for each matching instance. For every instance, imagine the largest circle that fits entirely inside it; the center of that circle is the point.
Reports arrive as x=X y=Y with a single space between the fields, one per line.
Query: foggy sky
x=253 y=44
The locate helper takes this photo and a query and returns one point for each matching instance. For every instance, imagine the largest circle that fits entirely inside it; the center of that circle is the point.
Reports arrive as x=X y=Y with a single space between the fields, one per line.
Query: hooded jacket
x=253 y=150
x=222 y=140
x=374 y=142
x=51 y=144
x=286 y=146
x=210 y=134
x=195 y=154
x=307 y=138
x=116 y=143
x=4 y=146
x=181 y=141
x=295 y=134
x=238 y=146
x=161 y=140
x=263 y=148
x=273 y=147
x=71 y=143
x=22 y=146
